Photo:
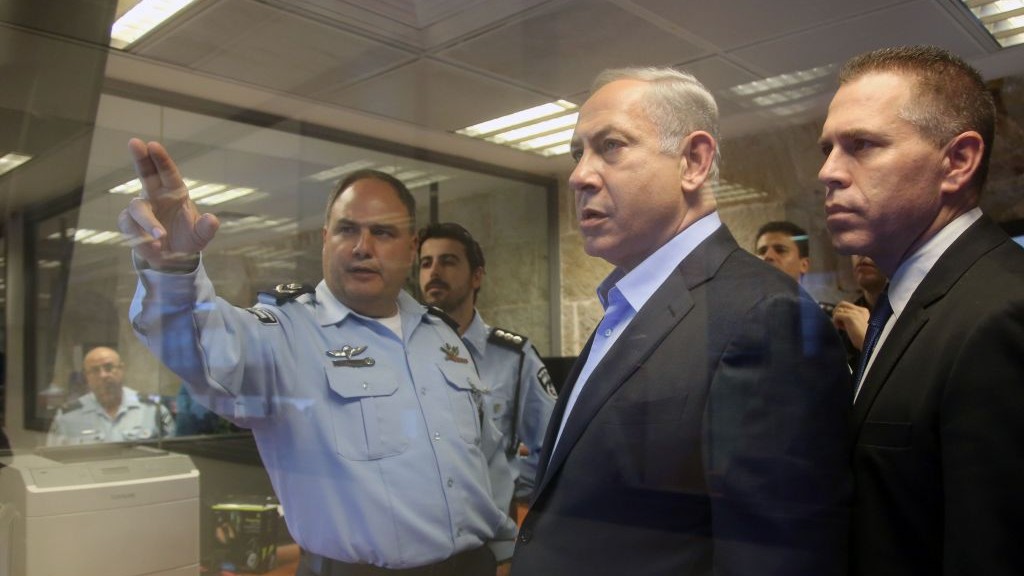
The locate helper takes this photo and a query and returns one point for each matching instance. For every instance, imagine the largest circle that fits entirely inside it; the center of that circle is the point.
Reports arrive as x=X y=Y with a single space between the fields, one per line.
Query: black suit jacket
x=711 y=438
x=939 y=422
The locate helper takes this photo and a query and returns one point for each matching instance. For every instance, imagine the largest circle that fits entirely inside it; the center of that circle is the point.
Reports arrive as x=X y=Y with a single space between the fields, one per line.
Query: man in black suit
x=702 y=430
x=939 y=415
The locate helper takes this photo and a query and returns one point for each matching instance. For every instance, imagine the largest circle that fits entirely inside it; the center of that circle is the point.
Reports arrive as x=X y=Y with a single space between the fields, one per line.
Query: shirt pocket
x=465 y=393
x=366 y=413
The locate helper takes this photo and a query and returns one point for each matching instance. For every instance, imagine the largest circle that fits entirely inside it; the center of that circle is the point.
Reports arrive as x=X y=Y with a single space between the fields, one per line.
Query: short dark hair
x=369 y=174
x=798 y=234
x=949 y=96
x=453 y=231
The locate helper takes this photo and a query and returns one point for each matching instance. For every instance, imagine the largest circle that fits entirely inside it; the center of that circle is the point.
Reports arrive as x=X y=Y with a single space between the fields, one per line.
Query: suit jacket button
x=524 y=535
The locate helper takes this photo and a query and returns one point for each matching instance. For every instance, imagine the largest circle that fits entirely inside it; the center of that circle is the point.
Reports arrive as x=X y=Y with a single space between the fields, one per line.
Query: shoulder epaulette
x=506 y=338
x=434 y=310
x=146 y=399
x=287 y=292
x=71 y=405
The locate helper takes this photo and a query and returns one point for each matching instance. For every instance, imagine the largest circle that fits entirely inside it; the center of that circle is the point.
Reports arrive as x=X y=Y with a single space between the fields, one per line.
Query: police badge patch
x=545 y=382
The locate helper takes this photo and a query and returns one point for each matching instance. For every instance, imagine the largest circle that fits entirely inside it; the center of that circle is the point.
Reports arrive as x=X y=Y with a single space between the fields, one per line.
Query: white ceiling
x=419 y=69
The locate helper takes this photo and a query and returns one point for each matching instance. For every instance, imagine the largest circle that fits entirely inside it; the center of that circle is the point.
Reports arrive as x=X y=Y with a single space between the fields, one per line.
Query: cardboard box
x=245 y=534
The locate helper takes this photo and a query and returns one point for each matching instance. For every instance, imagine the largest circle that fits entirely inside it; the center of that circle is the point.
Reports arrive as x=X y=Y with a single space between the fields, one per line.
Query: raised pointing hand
x=163 y=224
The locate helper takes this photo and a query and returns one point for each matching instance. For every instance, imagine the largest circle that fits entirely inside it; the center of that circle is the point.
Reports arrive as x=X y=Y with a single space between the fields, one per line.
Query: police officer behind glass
x=520 y=395
x=365 y=407
x=110 y=412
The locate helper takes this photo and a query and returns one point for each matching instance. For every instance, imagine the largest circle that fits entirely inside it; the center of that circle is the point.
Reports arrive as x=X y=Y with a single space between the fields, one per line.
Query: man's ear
x=476 y=278
x=962 y=157
x=698 y=155
x=805 y=265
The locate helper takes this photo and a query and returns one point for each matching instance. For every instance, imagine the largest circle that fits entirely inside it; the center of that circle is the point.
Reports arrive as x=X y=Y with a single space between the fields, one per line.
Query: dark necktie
x=879 y=316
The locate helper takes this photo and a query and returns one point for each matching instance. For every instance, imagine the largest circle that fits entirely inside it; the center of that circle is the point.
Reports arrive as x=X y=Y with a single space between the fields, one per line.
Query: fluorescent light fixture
x=103 y=237
x=535 y=129
x=517 y=118
x=204 y=190
x=142 y=19
x=731 y=193
x=338 y=171
x=129 y=187
x=226 y=196
x=133 y=186
x=1003 y=19
x=546 y=141
x=12 y=160
x=775 y=83
x=540 y=129
x=556 y=150
x=784 y=96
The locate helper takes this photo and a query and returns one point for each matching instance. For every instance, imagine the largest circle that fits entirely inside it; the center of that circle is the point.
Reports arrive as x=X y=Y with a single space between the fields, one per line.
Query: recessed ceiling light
x=11 y=161
x=1003 y=19
x=142 y=19
x=541 y=129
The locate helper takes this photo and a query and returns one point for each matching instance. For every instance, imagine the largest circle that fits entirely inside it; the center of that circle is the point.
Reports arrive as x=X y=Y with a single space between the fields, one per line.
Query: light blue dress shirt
x=375 y=445
x=85 y=421
x=503 y=370
x=632 y=290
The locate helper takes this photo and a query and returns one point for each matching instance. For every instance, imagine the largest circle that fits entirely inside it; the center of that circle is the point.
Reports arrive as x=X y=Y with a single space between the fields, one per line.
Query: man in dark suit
x=939 y=414
x=702 y=429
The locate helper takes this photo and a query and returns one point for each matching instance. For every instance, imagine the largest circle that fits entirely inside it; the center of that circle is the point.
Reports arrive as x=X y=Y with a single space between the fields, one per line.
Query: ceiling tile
x=560 y=49
x=275 y=49
x=835 y=43
x=737 y=23
x=434 y=94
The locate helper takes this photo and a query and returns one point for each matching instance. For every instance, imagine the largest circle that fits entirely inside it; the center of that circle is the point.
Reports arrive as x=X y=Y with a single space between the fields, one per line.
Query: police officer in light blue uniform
x=366 y=408
x=519 y=393
x=110 y=411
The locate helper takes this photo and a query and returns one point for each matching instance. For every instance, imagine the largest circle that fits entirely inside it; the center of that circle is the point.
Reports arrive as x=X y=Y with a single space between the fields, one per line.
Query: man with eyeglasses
x=110 y=412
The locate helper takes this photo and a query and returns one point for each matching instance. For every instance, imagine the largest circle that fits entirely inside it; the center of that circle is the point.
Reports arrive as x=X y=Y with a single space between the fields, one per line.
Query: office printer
x=101 y=509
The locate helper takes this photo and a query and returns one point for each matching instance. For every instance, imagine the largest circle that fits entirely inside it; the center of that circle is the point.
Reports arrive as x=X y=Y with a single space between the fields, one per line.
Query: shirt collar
x=330 y=310
x=639 y=284
x=911 y=272
x=476 y=335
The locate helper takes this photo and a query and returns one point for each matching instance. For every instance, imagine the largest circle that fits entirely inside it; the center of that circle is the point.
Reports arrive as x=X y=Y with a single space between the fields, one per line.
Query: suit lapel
x=663 y=312
x=975 y=242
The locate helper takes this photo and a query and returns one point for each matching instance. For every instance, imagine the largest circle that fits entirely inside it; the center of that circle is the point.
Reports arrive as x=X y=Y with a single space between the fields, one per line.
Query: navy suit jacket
x=711 y=438
x=939 y=422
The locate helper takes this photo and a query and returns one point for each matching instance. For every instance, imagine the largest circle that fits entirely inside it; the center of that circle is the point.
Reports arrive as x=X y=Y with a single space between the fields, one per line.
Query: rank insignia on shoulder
x=289 y=291
x=451 y=354
x=507 y=338
x=263 y=315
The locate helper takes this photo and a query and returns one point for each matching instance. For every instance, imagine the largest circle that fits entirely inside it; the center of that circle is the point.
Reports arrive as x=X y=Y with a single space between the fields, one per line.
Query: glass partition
x=268 y=186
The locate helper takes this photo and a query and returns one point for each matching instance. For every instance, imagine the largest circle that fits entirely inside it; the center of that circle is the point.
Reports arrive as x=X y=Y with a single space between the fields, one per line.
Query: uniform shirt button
x=607 y=332
x=458 y=532
x=365 y=385
x=525 y=535
x=451 y=482
x=437 y=436
x=423 y=391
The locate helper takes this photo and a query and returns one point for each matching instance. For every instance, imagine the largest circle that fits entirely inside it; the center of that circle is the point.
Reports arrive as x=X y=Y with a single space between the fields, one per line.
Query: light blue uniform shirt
x=381 y=462
x=86 y=422
x=503 y=370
